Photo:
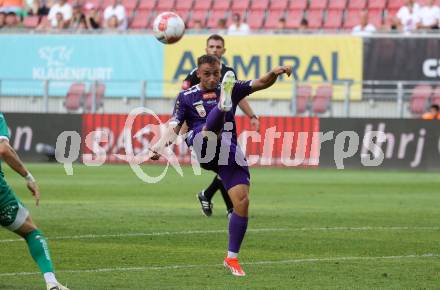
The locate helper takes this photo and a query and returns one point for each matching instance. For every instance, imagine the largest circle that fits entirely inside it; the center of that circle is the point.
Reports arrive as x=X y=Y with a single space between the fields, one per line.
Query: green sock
x=39 y=250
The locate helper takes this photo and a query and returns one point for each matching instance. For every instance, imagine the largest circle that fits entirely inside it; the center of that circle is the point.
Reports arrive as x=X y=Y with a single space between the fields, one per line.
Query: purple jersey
x=193 y=105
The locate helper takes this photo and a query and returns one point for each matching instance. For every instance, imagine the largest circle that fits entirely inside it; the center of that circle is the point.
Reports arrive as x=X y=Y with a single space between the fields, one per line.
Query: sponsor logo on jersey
x=201 y=110
x=208 y=96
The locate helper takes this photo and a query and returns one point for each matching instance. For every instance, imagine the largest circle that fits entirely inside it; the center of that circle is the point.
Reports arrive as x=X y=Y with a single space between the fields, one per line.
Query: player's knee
x=244 y=201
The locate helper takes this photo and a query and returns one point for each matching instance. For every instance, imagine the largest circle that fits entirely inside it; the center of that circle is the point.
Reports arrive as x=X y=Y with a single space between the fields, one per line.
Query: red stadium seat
x=130 y=5
x=314 y=17
x=221 y=5
x=106 y=3
x=337 y=4
x=436 y=96
x=259 y=5
x=321 y=99
x=318 y=4
x=376 y=4
x=31 y=21
x=357 y=4
x=240 y=5
x=229 y=19
x=395 y=4
x=96 y=3
x=375 y=18
x=303 y=95
x=197 y=15
x=204 y=5
x=278 y=5
x=419 y=99
x=293 y=20
x=140 y=20
x=297 y=5
x=165 y=5
x=74 y=97
x=100 y=91
x=255 y=19
x=184 y=14
x=352 y=19
x=147 y=5
x=272 y=19
x=333 y=20
x=214 y=17
x=184 y=4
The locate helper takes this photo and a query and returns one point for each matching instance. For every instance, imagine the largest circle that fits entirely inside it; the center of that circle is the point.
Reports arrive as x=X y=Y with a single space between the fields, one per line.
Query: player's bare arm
x=270 y=78
x=8 y=154
x=247 y=109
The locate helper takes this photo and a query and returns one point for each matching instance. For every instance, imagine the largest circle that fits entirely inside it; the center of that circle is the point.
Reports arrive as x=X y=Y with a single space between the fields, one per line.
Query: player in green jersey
x=15 y=217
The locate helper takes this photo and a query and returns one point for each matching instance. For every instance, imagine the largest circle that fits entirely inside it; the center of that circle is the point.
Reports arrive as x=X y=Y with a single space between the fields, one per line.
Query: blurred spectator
x=61 y=6
x=116 y=9
x=281 y=26
x=112 y=23
x=2 y=19
x=238 y=27
x=304 y=25
x=429 y=16
x=39 y=8
x=364 y=28
x=198 y=27
x=433 y=114
x=408 y=16
x=11 y=20
x=61 y=23
x=92 y=16
x=77 y=15
x=221 y=26
x=82 y=25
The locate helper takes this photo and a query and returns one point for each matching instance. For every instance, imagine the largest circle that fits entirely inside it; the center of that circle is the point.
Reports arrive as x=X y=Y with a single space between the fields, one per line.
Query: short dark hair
x=210 y=59
x=215 y=37
x=436 y=107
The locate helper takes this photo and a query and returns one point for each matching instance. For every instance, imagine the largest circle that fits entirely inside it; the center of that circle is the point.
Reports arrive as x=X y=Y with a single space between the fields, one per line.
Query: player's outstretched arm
x=270 y=78
x=247 y=109
x=8 y=154
x=168 y=138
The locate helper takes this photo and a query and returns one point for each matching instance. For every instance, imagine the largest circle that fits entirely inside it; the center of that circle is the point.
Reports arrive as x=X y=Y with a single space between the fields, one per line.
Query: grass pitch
x=308 y=229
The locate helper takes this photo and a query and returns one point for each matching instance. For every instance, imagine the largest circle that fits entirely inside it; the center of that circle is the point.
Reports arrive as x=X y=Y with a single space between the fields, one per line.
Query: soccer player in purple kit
x=208 y=108
x=215 y=45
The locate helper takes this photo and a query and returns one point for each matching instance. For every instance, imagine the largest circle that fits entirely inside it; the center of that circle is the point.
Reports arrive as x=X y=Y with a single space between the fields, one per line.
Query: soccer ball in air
x=168 y=27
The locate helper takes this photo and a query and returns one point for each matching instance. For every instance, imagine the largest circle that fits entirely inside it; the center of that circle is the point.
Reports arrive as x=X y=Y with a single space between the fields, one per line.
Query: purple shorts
x=231 y=174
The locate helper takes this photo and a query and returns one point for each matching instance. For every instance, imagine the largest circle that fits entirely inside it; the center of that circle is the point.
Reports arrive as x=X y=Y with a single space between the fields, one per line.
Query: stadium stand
x=322 y=99
x=303 y=95
x=202 y=5
x=259 y=5
x=74 y=97
x=260 y=14
x=297 y=5
x=419 y=99
x=436 y=96
x=100 y=92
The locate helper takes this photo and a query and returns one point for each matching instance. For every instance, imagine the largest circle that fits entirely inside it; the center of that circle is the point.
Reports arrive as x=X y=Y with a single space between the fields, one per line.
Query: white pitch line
x=256 y=263
x=123 y=235
x=195 y=232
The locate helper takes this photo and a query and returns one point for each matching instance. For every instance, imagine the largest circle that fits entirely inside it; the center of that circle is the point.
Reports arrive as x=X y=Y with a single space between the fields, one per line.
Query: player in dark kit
x=215 y=45
x=208 y=110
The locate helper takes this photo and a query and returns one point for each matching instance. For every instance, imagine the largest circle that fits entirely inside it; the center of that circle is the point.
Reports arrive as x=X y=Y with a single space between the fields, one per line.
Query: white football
x=168 y=27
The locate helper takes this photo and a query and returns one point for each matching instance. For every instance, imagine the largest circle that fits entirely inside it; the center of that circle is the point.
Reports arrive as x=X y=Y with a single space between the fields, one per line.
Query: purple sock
x=237 y=229
x=215 y=120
